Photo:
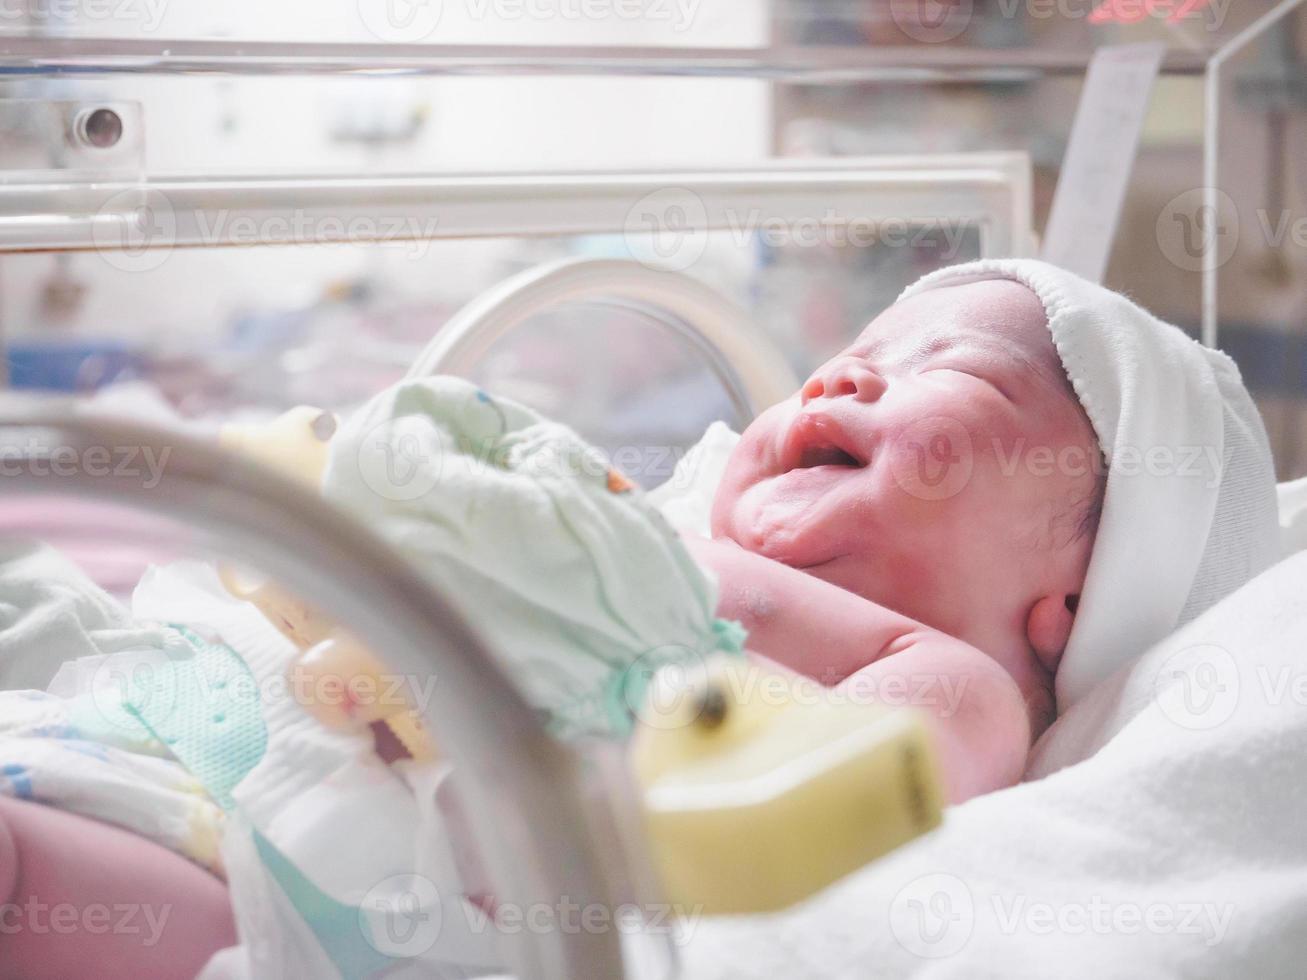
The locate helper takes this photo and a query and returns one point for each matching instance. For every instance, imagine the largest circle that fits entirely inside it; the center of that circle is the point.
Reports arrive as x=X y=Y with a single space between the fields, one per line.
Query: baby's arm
x=838 y=638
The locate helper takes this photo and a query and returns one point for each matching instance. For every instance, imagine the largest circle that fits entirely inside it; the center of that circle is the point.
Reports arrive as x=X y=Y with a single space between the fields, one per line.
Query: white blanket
x=1177 y=849
x=50 y=613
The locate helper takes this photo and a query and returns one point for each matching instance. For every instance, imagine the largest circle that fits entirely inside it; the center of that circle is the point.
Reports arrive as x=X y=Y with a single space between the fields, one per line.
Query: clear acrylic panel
x=361 y=87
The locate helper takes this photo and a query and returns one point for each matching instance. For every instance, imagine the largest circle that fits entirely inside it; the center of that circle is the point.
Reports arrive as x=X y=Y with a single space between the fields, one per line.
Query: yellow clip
x=754 y=801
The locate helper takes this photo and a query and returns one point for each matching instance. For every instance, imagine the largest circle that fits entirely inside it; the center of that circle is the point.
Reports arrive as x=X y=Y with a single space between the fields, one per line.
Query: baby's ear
x=1048 y=627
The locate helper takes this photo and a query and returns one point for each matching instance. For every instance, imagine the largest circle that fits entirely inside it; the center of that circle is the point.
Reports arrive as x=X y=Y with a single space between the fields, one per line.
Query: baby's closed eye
x=978 y=375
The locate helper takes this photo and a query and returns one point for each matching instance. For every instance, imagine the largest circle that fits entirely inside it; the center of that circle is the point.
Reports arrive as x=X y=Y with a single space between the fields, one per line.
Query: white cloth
x=348 y=821
x=48 y=756
x=60 y=748
x=1175 y=851
x=1190 y=510
x=560 y=562
x=51 y=613
x=1292 y=497
x=686 y=498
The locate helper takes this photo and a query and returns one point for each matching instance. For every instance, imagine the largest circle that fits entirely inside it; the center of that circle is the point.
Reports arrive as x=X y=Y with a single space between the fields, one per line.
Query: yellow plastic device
x=752 y=799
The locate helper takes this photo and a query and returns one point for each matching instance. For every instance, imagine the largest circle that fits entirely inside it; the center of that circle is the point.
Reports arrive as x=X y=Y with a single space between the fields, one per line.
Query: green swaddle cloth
x=573 y=578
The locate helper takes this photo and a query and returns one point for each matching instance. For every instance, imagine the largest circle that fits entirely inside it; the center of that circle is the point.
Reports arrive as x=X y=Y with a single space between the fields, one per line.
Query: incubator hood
x=805 y=160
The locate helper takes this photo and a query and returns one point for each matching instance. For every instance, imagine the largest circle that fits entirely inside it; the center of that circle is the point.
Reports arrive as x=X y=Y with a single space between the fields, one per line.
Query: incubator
x=636 y=219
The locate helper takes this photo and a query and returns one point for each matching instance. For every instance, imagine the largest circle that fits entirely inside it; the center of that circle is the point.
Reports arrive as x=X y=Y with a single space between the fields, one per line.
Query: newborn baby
x=885 y=521
x=1012 y=484
x=925 y=511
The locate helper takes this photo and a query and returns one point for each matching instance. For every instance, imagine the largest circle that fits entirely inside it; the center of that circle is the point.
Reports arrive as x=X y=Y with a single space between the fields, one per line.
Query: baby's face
x=940 y=466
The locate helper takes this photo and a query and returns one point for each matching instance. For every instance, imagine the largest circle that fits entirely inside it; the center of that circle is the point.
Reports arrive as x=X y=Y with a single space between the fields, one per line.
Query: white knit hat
x=1189 y=512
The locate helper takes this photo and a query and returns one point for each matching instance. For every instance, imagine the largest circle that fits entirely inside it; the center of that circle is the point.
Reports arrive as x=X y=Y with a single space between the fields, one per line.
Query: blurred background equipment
x=248 y=207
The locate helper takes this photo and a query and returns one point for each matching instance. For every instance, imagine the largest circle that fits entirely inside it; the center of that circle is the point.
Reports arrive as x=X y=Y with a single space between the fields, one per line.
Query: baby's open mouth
x=825 y=455
x=818 y=440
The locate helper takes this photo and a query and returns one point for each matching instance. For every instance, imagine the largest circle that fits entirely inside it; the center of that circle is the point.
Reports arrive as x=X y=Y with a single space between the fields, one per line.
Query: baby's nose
x=846 y=376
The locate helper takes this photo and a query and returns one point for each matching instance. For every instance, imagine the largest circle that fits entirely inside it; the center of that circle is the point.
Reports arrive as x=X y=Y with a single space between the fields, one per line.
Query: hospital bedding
x=1164 y=839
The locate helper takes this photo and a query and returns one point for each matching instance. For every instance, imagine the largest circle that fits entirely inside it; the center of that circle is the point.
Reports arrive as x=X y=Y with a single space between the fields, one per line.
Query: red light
x=1133 y=11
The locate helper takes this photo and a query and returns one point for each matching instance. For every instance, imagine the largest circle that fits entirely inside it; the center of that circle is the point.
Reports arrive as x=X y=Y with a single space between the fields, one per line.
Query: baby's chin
x=777 y=531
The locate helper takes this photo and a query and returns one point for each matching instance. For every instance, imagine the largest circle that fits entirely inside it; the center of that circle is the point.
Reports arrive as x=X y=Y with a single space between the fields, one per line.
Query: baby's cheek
x=747 y=466
x=1027 y=477
x=930 y=458
x=934 y=500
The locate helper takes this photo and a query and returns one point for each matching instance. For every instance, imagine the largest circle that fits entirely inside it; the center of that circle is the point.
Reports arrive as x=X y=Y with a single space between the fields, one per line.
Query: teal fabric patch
x=730 y=635
x=339 y=928
x=205 y=708
x=203 y=704
x=625 y=693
